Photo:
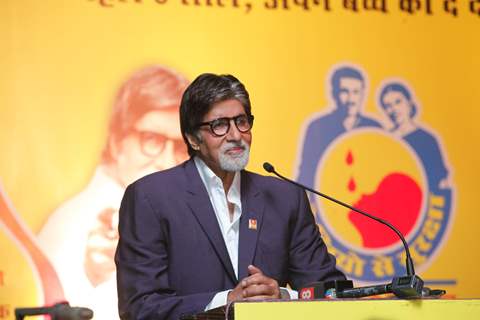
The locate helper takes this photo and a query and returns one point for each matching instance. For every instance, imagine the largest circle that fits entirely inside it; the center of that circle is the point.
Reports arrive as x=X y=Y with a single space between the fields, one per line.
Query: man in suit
x=207 y=232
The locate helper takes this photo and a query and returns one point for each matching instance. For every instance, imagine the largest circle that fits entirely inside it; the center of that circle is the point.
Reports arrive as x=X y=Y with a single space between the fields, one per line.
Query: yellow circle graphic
x=372 y=170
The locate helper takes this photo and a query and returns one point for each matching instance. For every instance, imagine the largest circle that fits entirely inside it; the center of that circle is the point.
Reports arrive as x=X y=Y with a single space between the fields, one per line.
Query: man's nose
x=349 y=97
x=233 y=133
x=166 y=159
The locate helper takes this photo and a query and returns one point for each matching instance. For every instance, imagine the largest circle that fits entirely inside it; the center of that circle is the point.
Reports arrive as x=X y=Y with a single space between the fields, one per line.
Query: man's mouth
x=235 y=151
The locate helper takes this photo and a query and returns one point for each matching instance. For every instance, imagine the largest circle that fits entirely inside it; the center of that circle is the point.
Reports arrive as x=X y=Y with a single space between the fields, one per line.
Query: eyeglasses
x=220 y=127
x=153 y=143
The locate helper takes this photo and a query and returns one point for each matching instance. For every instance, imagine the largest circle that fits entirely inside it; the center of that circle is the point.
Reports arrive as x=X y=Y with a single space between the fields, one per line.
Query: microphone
x=409 y=286
x=59 y=311
x=365 y=291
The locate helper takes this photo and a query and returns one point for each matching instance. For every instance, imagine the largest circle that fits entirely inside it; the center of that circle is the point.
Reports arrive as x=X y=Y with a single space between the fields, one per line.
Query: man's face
x=397 y=107
x=231 y=151
x=154 y=144
x=350 y=95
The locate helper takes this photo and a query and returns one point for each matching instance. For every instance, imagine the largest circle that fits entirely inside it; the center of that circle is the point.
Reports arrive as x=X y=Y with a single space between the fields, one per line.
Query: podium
x=366 y=309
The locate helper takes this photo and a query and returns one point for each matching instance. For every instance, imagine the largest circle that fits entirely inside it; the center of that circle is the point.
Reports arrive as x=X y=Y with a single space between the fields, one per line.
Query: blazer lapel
x=201 y=207
x=250 y=223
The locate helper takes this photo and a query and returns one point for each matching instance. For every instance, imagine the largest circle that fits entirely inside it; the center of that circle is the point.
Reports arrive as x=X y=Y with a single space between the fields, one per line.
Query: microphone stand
x=406 y=287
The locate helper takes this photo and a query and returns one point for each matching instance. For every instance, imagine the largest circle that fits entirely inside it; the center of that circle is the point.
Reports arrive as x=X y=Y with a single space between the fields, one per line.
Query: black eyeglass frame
x=212 y=123
x=160 y=140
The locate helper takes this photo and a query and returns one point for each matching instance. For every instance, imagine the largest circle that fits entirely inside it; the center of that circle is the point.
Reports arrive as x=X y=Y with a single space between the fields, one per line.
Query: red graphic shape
x=50 y=283
x=349 y=158
x=352 y=185
x=398 y=199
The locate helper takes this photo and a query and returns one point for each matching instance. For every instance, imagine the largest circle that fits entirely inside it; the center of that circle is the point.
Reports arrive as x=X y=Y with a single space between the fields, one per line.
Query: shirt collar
x=210 y=180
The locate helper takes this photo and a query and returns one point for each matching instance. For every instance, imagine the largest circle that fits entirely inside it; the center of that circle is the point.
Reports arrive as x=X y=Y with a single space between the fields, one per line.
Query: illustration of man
x=348 y=88
x=81 y=236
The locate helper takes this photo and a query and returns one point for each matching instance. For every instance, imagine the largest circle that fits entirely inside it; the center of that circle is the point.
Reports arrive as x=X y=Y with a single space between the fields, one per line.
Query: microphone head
x=84 y=313
x=268 y=167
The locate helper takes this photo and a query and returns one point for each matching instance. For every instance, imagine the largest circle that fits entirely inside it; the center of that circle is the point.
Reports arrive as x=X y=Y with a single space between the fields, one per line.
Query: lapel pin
x=252 y=224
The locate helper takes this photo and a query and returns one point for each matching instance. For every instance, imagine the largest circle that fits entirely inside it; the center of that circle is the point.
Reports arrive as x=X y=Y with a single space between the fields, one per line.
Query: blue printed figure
x=397 y=102
x=348 y=93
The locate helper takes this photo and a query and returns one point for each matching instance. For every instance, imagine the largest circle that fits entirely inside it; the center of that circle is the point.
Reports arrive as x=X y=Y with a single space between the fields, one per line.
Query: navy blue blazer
x=171 y=257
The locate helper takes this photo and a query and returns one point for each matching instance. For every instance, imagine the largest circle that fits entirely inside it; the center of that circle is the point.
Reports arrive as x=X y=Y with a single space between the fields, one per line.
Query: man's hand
x=256 y=286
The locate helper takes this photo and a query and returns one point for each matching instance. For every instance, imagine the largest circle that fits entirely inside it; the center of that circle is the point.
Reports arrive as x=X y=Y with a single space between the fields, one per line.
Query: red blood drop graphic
x=397 y=200
x=352 y=185
x=349 y=158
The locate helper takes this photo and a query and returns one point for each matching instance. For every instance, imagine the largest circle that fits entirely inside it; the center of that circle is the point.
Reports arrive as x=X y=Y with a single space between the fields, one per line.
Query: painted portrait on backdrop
x=80 y=237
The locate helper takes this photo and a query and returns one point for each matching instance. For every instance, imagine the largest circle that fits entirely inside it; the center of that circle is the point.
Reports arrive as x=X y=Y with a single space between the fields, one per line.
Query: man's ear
x=194 y=141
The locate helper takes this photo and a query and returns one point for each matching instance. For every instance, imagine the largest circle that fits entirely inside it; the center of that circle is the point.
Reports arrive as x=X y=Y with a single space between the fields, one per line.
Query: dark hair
x=398 y=87
x=205 y=91
x=151 y=88
x=344 y=72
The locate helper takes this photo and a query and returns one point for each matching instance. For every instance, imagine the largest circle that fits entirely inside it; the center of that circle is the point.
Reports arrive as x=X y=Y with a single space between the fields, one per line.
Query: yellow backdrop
x=63 y=61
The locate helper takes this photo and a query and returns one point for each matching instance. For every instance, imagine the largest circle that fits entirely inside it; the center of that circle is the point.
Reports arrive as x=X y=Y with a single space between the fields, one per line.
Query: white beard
x=237 y=162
